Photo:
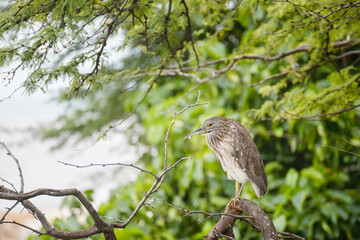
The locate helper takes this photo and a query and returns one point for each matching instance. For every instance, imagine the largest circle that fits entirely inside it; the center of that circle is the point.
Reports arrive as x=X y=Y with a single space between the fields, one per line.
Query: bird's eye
x=209 y=124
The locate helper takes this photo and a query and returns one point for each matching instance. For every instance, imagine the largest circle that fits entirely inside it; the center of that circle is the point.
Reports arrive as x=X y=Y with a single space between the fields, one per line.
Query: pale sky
x=39 y=164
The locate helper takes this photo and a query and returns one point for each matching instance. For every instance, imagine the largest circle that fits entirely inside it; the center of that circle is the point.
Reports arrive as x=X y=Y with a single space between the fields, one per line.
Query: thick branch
x=54 y=232
x=99 y=227
x=225 y=224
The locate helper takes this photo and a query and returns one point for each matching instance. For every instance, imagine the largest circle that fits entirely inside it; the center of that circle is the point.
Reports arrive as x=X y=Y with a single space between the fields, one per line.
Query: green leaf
x=298 y=200
x=314 y=175
x=280 y=223
x=325 y=226
x=291 y=177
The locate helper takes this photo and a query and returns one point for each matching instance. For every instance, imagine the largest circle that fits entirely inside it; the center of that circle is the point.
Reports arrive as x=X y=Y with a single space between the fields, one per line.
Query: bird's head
x=210 y=125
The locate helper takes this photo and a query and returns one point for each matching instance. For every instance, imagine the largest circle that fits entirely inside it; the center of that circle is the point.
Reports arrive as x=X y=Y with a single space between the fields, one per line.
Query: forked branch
x=99 y=226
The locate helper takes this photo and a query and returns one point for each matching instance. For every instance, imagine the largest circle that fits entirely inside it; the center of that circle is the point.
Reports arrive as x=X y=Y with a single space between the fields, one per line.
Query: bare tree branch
x=348 y=142
x=271 y=77
x=339 y=149
x=208 y=214
x=8 y=211
x=98 y=227
x=173 y=122
x=17 y=164
x=190 y=33
x=290 y=235
x=110 y=164
x=24 y=226
x=223 y=228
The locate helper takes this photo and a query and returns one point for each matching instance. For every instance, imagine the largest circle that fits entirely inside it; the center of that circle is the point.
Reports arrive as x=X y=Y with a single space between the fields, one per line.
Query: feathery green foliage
x=287 y=70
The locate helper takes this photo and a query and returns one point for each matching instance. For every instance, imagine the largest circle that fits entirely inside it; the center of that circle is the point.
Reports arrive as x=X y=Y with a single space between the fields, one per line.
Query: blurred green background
x=305 y=122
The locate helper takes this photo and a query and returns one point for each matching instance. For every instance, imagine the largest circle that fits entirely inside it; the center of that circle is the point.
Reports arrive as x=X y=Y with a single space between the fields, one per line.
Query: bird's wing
x=248 y=157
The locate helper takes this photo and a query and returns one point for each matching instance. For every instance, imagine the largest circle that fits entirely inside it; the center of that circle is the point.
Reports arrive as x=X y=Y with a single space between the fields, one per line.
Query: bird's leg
x=239 y=189
x=227 y=206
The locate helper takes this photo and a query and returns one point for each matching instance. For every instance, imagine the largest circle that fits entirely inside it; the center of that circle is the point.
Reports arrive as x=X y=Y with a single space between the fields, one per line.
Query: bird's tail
x=260 y=189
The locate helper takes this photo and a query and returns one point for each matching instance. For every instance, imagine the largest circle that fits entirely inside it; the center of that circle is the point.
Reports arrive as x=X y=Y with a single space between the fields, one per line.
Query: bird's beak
x=196 y=132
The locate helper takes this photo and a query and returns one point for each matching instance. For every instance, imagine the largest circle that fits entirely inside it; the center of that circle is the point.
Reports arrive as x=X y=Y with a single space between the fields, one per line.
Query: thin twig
x=27 y=227
x=189 y=212
x=17 y=164
x=269 y=78
x=11 y=184
x=8 y=211
x=190 y=33
x=290 y=235
x=109 y=164
x=136 y=107
x=313 y=117
x=173 y=122
x=348 y=142
x=339 y=149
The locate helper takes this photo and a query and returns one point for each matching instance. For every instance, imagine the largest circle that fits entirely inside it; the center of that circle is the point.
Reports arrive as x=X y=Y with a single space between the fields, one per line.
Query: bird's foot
x=232 y=203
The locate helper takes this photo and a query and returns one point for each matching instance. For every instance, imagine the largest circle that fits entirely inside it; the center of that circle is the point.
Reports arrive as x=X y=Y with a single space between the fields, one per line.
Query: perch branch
x=225 y=224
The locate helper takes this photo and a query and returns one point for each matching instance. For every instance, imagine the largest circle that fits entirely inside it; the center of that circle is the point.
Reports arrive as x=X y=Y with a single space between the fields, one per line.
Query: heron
x=237 y=152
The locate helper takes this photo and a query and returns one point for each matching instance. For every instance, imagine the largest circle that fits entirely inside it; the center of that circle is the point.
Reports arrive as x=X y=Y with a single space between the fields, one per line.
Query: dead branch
x=17 y=164
x=98 y=227
x=110 y=164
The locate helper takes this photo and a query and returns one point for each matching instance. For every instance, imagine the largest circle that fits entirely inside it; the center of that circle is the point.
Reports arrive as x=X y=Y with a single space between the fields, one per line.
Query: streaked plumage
x=236 y=151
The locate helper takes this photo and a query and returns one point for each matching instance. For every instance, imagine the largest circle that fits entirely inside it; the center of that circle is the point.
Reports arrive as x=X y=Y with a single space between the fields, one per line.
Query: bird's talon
x=234 y=201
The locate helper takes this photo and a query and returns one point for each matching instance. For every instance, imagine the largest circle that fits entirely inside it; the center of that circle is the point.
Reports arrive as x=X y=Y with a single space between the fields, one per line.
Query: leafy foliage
x=289 y=71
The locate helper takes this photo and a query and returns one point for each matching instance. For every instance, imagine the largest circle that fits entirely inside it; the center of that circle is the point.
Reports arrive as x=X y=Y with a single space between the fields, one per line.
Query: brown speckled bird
x=236 y=151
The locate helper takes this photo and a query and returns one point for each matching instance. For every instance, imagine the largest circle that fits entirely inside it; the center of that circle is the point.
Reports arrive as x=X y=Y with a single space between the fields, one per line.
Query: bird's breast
x=223 y=150
x=233 y=169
